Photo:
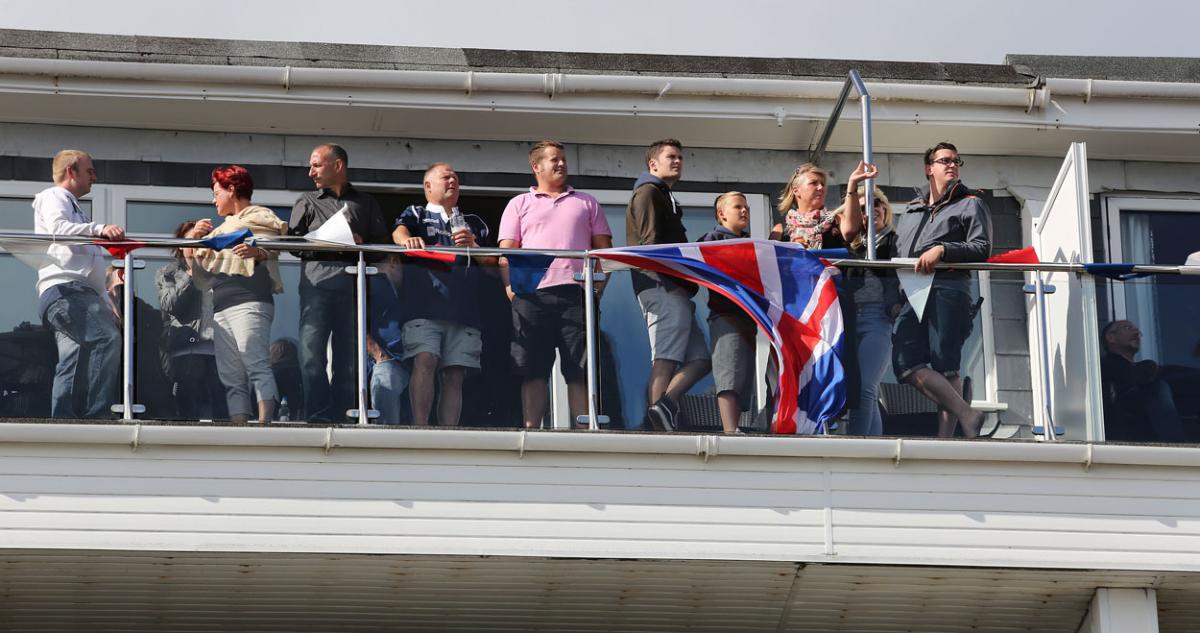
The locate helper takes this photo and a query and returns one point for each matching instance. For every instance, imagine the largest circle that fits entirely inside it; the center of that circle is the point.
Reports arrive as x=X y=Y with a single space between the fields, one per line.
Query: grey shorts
x=454 y=344
x=733 y=356
x=671 y=319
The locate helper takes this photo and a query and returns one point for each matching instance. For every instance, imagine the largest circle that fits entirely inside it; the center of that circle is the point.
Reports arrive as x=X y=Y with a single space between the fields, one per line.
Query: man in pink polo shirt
x=551 y=216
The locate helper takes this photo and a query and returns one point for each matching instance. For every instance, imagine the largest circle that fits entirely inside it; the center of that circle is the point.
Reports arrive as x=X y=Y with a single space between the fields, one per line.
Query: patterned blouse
x=808 y=226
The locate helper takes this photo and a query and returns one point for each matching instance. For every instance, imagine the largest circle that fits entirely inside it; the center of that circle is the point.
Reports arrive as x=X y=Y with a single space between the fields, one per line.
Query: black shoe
x=662 y=414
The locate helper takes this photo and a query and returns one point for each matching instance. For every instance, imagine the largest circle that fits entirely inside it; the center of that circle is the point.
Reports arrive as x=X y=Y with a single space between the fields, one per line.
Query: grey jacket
x=187 y=311
x=960 y=221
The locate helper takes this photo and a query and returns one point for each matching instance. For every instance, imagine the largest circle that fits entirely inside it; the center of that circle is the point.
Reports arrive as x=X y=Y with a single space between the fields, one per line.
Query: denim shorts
x=935 y=341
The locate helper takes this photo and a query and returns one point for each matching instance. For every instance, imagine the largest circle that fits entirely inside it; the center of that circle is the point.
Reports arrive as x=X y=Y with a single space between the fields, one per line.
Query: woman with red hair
x=243 y=280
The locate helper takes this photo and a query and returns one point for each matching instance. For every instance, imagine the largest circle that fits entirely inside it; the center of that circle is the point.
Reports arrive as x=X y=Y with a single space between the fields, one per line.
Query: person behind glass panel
x=441 y=331
x=729 y=327
x=243 y=280
x=553 y=216
x=72 y=295
x=946 y=223
x=1144 y=401
x=189 y=354
x=678 y=354
x=870 y=298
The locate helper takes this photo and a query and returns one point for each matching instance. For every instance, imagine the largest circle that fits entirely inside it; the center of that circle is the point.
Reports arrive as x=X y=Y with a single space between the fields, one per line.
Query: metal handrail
x=301 y=244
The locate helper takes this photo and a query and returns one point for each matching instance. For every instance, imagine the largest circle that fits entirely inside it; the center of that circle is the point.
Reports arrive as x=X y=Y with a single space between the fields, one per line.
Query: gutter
x=706 y=447
x=548 y=84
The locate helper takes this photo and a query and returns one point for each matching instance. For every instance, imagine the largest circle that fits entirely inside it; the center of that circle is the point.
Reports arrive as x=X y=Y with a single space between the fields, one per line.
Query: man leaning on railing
x=947 y=223
x=72 y=299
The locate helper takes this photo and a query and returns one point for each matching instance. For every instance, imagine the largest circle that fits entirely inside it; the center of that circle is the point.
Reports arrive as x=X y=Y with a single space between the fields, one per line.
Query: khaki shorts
x=733 y=355
x=671 y=319
x=454 y=344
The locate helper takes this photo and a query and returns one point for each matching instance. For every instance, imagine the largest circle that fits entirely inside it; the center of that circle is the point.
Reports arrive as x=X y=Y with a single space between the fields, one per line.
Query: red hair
x=234 y=177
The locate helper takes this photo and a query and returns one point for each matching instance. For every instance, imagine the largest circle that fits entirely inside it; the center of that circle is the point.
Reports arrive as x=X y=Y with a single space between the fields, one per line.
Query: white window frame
x=1116 y=204
x=1113 y=206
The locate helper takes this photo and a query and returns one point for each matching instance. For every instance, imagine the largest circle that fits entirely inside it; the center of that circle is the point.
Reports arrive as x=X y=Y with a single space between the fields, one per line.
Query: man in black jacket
x=1143 y=401
x=947 y=223
x=677 y=348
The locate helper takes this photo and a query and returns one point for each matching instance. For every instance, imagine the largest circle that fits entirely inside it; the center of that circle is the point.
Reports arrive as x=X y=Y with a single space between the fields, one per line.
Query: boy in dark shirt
x=730 y=329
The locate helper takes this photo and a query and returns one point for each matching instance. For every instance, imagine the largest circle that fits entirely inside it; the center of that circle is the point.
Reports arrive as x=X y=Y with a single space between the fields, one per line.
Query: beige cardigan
x=262 y=222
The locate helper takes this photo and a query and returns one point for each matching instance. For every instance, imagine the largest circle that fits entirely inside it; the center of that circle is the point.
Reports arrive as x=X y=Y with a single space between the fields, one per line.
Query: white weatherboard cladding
x=594 y=504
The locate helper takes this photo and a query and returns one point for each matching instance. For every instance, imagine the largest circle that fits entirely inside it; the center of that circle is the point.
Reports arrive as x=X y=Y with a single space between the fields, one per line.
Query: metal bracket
x=583 y=419
x=596 y=276
x=353 y=270
x=1031 y=289
x=353 y=413
x=1041 y=430
x=120 y=264
x=120 y=408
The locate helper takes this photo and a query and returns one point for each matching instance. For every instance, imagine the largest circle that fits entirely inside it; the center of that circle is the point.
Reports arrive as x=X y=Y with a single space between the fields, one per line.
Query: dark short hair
x=339 y=152
x=535 y=152
x=936 y=148
x=180 y=232
x=234 y=177
x=656 y=147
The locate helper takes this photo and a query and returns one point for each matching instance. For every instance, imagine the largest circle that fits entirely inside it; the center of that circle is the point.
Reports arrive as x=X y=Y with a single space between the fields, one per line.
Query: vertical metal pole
x=1048 y=433
x=360 y=304
x=127 y=344
x=589 y=322
x=868 y=157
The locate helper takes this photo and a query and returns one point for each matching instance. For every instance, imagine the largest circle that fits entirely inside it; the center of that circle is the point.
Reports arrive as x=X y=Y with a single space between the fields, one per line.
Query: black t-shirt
x=233 y=290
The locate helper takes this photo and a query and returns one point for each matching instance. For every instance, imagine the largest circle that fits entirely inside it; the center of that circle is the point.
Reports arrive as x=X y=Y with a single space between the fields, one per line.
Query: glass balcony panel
x=992 y=372
x=206 y=341
x=440 y=349
x=1149 y=352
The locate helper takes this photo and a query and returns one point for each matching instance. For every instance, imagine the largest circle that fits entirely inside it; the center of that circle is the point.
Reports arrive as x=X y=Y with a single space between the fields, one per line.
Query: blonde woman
x=870 y=300
x=243 y=280
x=806 y=221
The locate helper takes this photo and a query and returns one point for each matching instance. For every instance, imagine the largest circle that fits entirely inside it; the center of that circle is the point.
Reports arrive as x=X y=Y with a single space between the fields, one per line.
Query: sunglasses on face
x=946 y=161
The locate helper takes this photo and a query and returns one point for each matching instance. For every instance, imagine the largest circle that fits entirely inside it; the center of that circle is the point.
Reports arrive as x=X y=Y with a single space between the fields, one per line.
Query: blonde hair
x=787 y=199
x=888 y=219
x=535 y=153
x=65 y=160
x=722 y=199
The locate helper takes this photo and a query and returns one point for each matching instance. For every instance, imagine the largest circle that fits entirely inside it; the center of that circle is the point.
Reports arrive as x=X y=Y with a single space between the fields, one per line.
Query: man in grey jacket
x=948 y=223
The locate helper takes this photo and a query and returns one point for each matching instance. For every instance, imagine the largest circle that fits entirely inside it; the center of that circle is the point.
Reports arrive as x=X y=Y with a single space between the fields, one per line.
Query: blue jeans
x=389 y=379
x=327 y=318
x=873 y=334
x=84 y=325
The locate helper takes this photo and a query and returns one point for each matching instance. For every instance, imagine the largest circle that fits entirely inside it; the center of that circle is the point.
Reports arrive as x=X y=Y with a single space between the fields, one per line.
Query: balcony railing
x=1031 y=359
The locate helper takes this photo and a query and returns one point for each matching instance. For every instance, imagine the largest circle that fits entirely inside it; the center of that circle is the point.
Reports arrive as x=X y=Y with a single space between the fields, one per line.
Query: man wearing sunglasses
x=946 y=224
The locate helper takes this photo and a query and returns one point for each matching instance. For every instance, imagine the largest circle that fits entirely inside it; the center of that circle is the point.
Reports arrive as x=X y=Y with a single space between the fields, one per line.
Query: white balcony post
x=1121 y=611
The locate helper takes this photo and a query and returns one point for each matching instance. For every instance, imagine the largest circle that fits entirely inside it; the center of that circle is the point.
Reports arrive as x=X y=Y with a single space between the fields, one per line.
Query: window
x=1165 y=308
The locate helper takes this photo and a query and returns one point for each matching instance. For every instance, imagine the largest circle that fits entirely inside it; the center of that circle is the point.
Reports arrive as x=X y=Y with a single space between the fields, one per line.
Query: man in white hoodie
x=71 y=294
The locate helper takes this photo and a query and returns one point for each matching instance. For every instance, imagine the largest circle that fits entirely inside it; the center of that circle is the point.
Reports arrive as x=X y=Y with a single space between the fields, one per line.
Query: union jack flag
x=790 y=294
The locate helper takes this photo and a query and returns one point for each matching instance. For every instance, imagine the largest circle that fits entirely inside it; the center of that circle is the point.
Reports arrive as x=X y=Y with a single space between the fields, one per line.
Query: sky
x=895 y=30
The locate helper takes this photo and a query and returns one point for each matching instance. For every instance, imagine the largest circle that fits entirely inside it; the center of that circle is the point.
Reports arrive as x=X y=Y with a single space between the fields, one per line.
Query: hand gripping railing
x=363 y=413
